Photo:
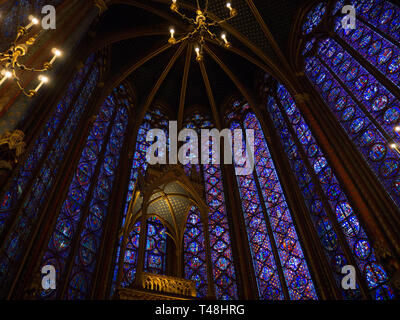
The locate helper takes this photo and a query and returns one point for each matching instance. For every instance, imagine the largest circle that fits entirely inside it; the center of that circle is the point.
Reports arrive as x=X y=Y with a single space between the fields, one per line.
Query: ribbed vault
x=136 y=31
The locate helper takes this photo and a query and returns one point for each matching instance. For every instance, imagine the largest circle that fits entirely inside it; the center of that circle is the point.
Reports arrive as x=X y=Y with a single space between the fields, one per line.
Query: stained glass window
x=155 y=118
x=366 y=108
x=91 y=186
x=314 y=18
x=156 y=247
x=267 y=218
x=357 y=73
x=332 y=213
x=194 y=248
x=221 y=251
x=35 y=178
x=131 y=256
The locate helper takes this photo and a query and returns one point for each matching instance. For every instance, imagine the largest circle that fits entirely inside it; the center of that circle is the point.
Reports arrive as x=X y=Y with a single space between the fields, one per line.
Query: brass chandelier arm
x=215 y=23
x=30 y=94
x=9 y=60
x=184 y=17
x=46 y=67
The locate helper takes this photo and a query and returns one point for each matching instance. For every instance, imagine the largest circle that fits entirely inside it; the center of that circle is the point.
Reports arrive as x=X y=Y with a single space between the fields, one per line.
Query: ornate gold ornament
x=149 y=286
x=12 y=146
x=101 y=5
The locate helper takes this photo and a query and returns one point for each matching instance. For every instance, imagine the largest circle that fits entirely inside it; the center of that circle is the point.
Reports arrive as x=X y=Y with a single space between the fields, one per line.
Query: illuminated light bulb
x=393 y=145
x=6 y=75
x=43 y=80
x=397 y=129
x=232 y=11
x=33 y=21
x=57 y=53
x=174 y=5
x=199 y=57
x=223 y=36
x=172 y=39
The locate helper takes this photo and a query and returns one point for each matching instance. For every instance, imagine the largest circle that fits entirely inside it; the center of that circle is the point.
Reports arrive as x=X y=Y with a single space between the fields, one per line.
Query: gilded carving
x=149 y=286
x=101 y=5
x=12 y=146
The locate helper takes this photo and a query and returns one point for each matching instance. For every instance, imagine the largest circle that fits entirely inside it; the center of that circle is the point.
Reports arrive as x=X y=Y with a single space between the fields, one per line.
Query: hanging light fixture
x=11 y=66
x=201 y=28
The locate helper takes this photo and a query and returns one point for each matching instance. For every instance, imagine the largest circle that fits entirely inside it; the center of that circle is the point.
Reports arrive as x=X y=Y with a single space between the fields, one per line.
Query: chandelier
x=201 y=28
x=10 y=65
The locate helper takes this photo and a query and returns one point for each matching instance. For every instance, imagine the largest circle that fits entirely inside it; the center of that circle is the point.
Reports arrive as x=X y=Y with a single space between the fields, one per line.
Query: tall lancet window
x=22 y=202
x=156 y=247
x=334 y=218
x=155 y=118
x=279 y=264
x=220 y=239
x=357 y=74
x=194 y=250
x=75 y=243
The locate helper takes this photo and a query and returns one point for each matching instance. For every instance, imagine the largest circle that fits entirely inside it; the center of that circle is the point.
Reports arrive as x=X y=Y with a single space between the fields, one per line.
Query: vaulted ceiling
x=137 y=31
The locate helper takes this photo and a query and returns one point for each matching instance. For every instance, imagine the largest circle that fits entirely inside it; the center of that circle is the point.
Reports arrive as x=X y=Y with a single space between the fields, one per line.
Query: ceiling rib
x=266 y=31
x=158 y=84
x=210 y=95
x=184 y=85
x=242 y=89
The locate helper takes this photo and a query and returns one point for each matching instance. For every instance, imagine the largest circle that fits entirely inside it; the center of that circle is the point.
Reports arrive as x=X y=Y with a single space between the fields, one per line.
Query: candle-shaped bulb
x=223 y=36
x=393 y=145
x=172 y=39
x=43 y=80
x=232 y=11
x=57 y=53
x=174 y=5
x=33 y=21
x=198 y=57
x=6 y=75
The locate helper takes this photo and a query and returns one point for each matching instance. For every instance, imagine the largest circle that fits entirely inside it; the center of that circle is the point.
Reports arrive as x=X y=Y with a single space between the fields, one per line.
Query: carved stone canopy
x=166 y=192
